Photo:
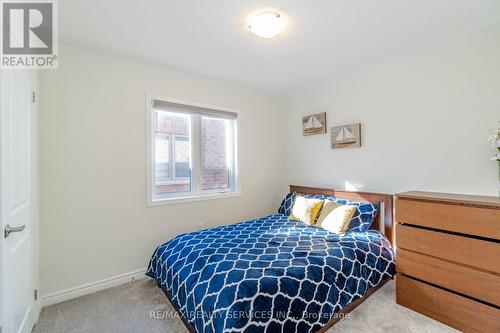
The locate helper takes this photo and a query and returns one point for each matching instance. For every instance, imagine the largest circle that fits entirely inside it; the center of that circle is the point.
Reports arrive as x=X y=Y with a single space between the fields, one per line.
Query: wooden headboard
x=383 y=222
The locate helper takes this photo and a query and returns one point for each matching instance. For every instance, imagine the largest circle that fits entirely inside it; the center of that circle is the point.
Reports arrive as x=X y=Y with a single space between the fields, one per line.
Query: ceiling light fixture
x=267 y=24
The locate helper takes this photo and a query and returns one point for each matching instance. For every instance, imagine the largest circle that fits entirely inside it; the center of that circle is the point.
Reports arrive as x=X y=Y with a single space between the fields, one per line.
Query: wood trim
x=451 y=309
x=463 y=279
x=370 y=197
x=463 y=250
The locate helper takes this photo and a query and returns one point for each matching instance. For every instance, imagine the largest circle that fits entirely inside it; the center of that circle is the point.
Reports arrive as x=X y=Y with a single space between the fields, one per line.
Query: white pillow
x=335 y=218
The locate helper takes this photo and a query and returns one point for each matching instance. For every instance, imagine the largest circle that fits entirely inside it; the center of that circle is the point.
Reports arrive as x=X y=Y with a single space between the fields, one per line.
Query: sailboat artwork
x=346 y=136
x=314 y=124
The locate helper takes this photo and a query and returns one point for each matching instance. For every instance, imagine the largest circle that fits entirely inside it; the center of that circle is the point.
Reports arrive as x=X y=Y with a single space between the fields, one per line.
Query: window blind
x=184 y=108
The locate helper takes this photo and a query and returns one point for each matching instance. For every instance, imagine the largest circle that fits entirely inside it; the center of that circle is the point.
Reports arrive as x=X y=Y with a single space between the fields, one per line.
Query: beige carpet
x=127 y=308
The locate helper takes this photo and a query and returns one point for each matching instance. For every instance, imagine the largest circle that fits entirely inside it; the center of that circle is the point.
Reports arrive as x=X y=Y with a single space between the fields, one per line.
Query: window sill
x=192 y=198
x=173 y=182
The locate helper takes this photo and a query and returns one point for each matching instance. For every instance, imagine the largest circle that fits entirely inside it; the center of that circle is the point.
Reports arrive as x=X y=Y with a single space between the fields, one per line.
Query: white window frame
x=196 y=193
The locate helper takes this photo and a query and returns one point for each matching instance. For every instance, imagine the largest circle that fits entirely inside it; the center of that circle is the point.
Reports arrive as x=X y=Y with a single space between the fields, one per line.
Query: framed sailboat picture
x=314 y=124
x=346 y=136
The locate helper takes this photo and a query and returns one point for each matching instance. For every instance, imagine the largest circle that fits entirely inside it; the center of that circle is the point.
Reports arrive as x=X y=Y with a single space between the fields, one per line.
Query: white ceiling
x=210 y=38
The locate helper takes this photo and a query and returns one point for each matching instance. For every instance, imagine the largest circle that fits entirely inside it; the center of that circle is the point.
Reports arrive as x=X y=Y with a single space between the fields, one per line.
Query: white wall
x=94 y=219
x=425 y=117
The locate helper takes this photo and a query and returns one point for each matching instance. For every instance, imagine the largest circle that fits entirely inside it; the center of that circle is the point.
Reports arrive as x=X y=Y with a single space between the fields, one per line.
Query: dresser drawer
x=463 y=279
x=454 y=310
x=464 y=250
x=479 y=221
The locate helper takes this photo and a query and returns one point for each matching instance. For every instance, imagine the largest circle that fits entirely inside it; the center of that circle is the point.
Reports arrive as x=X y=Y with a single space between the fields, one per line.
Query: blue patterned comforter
x=268 y=274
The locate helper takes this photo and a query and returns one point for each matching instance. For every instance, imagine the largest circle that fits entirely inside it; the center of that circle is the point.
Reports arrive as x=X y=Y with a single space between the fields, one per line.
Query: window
x=193 y=151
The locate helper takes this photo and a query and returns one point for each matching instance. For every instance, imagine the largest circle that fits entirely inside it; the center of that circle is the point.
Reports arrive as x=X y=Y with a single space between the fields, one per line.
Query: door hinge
x=33 y=98
x=35 y=294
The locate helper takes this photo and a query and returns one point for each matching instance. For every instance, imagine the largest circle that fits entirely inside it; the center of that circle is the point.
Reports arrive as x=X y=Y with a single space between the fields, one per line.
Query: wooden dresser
x=448 y=258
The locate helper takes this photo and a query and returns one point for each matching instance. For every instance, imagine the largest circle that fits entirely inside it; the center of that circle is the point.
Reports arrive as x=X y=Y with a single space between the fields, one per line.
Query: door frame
x=35 y=245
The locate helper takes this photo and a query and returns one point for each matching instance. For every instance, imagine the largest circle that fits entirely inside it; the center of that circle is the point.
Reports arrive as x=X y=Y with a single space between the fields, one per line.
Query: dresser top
x=473 y=200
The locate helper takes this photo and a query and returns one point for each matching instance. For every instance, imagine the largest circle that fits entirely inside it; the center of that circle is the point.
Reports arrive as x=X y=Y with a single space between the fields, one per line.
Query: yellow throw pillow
x=306 y=210
x=335 y=218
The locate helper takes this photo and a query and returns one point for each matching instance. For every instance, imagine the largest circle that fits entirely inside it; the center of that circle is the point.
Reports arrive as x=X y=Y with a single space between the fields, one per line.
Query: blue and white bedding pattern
x=361 y=221
x=268 y=274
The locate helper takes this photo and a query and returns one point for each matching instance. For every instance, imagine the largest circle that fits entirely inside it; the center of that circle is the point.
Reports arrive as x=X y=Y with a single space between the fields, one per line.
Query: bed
x=275 y=275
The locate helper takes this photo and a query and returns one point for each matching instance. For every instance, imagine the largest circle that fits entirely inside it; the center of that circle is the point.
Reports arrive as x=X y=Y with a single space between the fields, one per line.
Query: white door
x=17 y=199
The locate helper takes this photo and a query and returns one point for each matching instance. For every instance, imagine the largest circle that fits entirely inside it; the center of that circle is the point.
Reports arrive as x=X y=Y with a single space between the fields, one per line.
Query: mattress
x=269 y=274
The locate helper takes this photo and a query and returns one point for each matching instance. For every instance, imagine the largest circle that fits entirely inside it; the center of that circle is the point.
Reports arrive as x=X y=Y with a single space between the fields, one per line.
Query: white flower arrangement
x=494 y=140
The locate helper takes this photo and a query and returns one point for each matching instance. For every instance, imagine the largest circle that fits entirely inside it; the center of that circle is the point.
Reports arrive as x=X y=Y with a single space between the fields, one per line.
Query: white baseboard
x=88 y=288
x=37 y=308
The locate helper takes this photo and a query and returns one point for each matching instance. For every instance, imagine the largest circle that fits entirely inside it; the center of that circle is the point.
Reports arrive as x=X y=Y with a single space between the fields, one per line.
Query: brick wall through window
x=174 y=130
x=215 y=173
